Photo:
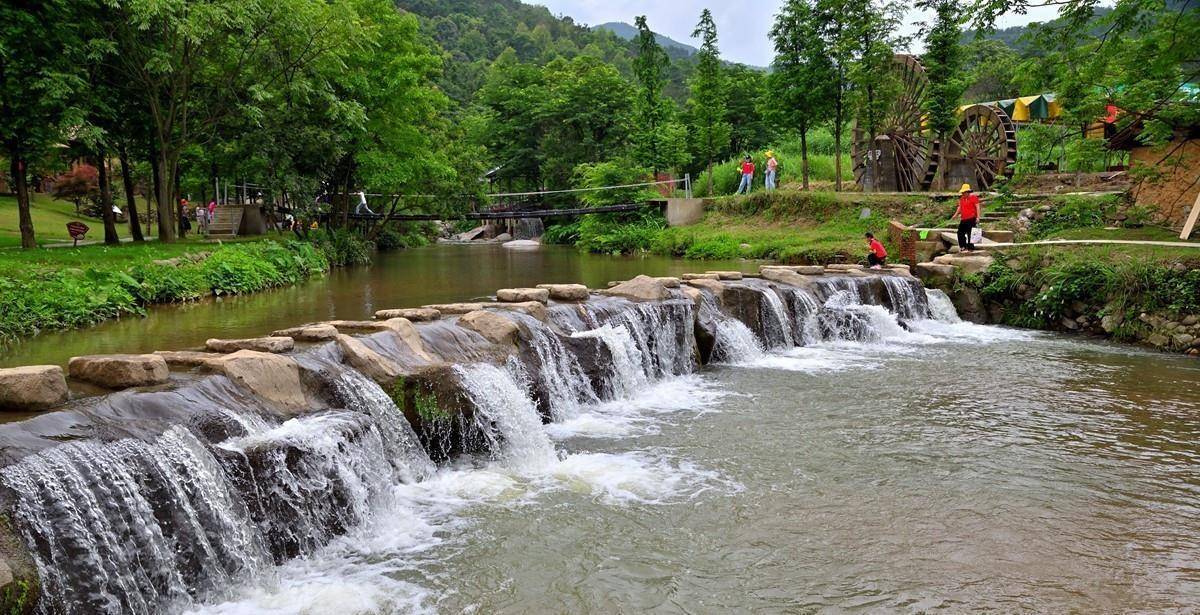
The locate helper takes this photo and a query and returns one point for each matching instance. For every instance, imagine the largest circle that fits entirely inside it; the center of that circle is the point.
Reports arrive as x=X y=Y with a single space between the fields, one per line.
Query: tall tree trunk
x=837 y=135
x=164 y=187
x=21 y=186
x=803 y=155
x=106 y=201
x=177 y=198
x=135 y=225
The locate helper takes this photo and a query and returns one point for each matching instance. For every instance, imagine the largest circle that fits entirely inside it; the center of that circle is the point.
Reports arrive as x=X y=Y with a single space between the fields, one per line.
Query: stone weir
x=182 y=473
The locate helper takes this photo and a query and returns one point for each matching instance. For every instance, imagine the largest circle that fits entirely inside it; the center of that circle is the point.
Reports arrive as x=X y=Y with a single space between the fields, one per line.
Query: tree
x=77 y=184
x=872 y=75
x=803 y=83
x=40 y=76
x=654 y=127
x=707 y=104
x=943 y=61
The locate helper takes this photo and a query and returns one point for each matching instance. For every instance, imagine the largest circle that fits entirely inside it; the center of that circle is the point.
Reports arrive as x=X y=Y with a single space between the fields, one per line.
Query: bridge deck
x=508 y=215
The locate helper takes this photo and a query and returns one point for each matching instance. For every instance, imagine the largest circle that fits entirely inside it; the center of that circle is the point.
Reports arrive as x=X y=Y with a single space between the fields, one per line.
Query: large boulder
x=407 y=332
x=186 y=358
x=411 y=314
x=715 y=287
x=936 y=275
x=522 y=244
x=271 y=377
x=454 y=309
x=532 y=308
x=259 y=344
x=727 y=275
x=119 y=371
x=784 y=275
x=372 y=364
x=688 y=277
x=968 y=263
x=492 y=326
x=670 y=281
x=566 y=292
x=641 y=288
x=308 y=333
x=523 y=295
x=36 y=387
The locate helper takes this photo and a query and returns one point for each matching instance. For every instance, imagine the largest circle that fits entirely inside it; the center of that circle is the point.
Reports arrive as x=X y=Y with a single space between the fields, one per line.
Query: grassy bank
x=63 y=288
x=50 y=217
x=787 y=225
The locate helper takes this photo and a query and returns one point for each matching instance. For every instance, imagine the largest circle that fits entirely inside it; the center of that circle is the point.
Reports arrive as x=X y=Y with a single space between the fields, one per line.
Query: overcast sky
x=741 y=25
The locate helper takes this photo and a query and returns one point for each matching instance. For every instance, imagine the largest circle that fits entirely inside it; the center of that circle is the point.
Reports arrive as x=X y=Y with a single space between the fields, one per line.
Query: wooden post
x=1191 y=221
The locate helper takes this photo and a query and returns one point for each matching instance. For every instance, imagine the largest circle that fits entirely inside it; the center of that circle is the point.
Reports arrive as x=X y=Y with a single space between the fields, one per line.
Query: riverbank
x=790 y=226
x=65 y=288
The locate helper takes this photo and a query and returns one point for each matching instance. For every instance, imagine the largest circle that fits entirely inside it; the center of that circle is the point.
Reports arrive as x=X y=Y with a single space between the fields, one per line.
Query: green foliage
x=342 y=247
x=44 y=298
x=620 y=233
x=403 y=236
x=707 y=105
x=614 y=173
x=943 y=61
x=802 y=85
x=1073 y=213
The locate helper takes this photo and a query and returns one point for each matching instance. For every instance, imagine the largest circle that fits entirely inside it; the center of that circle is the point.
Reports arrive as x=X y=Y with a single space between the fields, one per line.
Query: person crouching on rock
x=877 y=257
x=968 y=214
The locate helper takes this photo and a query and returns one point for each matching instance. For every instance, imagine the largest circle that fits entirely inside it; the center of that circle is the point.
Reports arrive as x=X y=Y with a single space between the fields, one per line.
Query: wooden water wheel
x=981 y=149
x=902 y=157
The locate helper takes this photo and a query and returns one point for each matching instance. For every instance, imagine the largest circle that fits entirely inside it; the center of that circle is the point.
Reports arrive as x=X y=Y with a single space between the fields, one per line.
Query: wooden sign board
x=77 y=230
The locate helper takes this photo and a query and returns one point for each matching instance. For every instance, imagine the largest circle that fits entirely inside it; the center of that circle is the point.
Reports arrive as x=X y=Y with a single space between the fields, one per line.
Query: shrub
x=1072 y=213
x=342 y=247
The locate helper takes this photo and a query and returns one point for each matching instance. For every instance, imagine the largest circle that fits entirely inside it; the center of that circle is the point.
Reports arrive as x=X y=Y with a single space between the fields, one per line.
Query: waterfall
x=777 y=329
x=130 y=526
x=505 y=411
x=736 y=343
x=805 y=308
x=941 y=307
x=404 y=450
x=562 y=378
x=845 y=318
x=905 y=300
x=628 y=364
x=663 y=335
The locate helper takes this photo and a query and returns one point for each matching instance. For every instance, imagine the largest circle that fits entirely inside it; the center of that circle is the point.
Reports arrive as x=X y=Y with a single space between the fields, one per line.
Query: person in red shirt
x=968 y=215
x=877 y=257
x=747 y=175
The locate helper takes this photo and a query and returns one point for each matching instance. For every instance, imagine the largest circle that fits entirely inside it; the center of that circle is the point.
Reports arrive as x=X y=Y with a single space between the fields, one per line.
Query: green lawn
x=1145 y=233
x=50 y=218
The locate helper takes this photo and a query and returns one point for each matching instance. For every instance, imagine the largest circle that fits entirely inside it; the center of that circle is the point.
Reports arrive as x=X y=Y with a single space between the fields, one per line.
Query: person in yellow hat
x=772 y=167
x=968 y=215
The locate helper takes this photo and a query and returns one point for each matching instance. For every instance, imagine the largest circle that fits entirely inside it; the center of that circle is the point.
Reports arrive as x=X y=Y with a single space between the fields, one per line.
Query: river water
x=409 y=278
x=951 y=467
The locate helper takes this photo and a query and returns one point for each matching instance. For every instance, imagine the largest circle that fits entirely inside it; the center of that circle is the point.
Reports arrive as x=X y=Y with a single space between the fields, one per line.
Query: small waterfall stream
x=507 y=413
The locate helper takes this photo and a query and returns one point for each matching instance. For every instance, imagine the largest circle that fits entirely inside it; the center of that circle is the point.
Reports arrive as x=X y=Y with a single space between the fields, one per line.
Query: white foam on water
x=639 y=414
x=636 y=477
x=736 y=343
x=816 y=359
x=941 y=307
x=500 y=400
x=628 y=363
x=968 y=332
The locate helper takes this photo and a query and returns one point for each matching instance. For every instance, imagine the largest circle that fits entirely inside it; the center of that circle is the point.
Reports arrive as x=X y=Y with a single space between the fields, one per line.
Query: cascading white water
x=805 y=308
x=845 y=318
x=505 y=410
x=129 y=526
x=404 y=450
x=777 y=325
x=628 y=364
x=905 y=302
x=941 y=307
x=560 y=373
x=736 y=343
x=663 y=335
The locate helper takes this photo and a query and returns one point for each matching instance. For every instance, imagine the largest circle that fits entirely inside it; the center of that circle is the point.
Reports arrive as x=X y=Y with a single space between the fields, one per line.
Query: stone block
x=492 y=326
x=261 y=344
x=566 y=292
x=119 y=371
x=412 y=314
x=523 y=295
x=36 y=387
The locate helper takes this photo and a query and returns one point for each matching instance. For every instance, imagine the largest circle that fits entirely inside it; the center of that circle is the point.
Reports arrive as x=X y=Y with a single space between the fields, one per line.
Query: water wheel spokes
x=982 y=148
x=902 y=151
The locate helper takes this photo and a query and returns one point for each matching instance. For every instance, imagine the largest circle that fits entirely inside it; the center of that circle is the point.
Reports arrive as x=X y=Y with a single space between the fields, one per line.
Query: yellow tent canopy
x=1028 y=108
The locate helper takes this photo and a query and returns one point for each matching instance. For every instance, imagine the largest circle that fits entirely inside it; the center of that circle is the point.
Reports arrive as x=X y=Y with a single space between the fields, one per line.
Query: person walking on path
x=772 y=167
x=202 y=220
x=877 y=257
x=968 y=215
x=212 y=210
x=747 y=176
x=362 y=205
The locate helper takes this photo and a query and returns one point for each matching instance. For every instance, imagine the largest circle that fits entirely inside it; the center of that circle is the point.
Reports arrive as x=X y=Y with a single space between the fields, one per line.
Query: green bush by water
x=45 y=297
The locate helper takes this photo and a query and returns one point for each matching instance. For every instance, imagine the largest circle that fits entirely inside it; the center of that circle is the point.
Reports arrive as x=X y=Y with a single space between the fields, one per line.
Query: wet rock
x=843 y=267
x=670 y=282
x=969 y=263
x=523 y=295
x=1110 y=322
x=503 y=237
x=358 y=326
x=439 y=410
x=715 y=287
x=641 y=288
x=1183 y=340
x=493 y=327
x=260 y=344
x=1191 y=320
x=566 y=292
x=119 y=371
x=372 y=364
x=532 y=308
x=1158 y=340
x=447 y=309
x=36 y=387
x=688 y=277
x=412 y=314
x=1069 y=324
x=970 y=305
x=693 y=293
x=404 y=329
x=271 y=377
x=308 y=333
x=186 y=358
x=784 y=276
x=745 y=304
x=727 y=275
x=522 y=244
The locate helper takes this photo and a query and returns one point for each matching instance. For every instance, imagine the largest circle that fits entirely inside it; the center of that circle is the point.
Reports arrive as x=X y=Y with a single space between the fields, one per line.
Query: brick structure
x=905 y=240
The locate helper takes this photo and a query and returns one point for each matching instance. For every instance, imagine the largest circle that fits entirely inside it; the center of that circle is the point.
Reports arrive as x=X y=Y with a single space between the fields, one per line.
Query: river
x=938 y=466
x=953 y=468
x=408 y=278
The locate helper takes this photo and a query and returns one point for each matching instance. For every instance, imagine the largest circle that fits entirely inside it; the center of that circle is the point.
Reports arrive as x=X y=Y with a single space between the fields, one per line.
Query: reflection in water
x=411 y=278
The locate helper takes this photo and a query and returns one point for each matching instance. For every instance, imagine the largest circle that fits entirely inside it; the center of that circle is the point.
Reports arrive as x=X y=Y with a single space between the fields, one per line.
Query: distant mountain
x=629 y=32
